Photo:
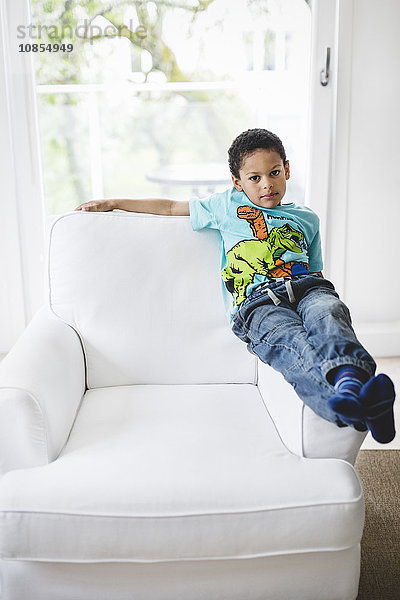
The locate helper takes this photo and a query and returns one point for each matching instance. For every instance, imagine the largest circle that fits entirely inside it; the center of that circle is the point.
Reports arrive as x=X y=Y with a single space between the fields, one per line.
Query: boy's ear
x=236 y=183
x=287 y=170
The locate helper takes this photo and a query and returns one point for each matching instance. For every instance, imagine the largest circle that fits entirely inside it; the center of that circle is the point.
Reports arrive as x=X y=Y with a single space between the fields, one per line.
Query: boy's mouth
x=269 y=196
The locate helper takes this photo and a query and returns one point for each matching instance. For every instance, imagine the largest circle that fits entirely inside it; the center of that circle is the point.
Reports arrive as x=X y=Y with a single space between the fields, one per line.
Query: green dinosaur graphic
x=249 y=257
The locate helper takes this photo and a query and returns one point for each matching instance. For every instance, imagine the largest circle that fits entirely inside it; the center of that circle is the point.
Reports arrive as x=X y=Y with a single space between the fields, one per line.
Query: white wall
x=371 y=263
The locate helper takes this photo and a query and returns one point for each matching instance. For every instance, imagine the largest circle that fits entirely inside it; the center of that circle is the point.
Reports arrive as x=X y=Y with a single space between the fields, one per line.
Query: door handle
x=324 y=74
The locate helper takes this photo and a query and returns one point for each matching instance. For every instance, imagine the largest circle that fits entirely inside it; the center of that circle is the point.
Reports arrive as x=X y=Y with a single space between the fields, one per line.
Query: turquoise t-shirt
x=258 y=243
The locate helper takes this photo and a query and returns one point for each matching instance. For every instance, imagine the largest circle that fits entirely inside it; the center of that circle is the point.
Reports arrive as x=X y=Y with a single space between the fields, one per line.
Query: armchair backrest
x=144 y=294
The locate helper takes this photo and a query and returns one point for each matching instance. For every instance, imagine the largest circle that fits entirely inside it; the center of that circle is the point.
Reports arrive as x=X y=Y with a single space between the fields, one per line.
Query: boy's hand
x=97 y=206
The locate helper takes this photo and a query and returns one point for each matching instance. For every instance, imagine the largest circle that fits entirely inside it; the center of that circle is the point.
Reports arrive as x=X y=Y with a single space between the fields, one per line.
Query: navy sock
x=348 y=381
x=377 y=398
x=372 y=409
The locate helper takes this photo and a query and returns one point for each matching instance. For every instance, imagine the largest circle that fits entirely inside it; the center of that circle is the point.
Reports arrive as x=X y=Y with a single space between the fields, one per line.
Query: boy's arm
x=154 y=206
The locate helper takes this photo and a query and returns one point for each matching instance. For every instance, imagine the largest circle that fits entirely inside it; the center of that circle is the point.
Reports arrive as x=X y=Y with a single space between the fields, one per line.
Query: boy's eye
x=275 y=172
x=253 y=178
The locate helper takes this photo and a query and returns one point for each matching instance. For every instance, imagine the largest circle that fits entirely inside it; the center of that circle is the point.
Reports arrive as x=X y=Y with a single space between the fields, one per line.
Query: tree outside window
x=150 y=84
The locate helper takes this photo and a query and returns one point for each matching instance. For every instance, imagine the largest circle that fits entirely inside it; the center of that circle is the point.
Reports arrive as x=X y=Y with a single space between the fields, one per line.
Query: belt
x=285 y=278
x=288 y=285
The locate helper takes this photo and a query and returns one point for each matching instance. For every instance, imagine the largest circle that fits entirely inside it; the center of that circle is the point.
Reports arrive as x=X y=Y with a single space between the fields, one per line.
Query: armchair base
x=266 y=578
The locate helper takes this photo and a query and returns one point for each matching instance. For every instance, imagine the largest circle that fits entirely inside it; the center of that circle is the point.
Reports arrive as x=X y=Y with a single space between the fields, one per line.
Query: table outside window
x=194 y=176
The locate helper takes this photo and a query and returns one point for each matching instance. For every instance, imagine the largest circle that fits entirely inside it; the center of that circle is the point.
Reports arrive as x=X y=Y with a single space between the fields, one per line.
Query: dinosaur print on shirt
x=259 y=256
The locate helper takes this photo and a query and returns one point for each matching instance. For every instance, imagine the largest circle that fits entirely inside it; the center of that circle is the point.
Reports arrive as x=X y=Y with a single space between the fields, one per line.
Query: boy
x=278 y=301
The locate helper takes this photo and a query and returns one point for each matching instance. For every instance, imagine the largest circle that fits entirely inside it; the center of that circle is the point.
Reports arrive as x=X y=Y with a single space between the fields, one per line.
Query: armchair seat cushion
x=177 y=472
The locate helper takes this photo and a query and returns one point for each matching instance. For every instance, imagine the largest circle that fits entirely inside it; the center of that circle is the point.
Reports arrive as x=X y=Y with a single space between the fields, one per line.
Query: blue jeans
x=305 y=339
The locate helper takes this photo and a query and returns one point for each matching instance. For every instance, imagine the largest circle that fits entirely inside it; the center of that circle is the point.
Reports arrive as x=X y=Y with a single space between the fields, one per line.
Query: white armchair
x=145 y=454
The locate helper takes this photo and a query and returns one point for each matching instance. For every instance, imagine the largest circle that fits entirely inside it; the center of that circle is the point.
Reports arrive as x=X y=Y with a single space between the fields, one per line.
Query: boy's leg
x=308 y=341
x=328 y=327
x=277 y=336
x=360 y=396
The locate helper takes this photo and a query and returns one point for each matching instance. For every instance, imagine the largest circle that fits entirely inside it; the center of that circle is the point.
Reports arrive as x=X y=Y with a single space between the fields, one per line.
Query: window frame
x=329 y=124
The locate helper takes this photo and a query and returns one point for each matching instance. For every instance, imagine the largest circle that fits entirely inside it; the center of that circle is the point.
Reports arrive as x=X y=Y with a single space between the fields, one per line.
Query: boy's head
x=258 y=164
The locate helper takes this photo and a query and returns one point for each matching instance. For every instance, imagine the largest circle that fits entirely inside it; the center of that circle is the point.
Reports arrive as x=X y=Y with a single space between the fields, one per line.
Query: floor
x=390 y=366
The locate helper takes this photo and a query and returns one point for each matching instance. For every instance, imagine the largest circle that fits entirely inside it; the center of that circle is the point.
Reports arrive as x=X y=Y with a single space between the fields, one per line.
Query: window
x=151 y=96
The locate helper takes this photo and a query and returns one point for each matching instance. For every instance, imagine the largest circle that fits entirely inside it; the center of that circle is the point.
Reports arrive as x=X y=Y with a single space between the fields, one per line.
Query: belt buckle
x=263 y=287
x=283 y=278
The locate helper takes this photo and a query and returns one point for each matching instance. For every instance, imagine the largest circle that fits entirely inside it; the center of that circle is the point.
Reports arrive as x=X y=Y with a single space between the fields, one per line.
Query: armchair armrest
x=302 y=431
x=283 y=405
x=42 y=382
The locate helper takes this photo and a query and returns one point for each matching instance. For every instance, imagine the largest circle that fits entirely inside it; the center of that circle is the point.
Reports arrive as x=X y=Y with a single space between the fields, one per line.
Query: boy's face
x=262 y=177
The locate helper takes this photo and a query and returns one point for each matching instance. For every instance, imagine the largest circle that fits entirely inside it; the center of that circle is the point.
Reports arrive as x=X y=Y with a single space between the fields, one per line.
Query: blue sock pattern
x=349 y=380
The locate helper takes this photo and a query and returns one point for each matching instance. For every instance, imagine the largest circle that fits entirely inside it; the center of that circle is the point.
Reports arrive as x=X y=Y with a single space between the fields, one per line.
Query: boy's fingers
x=96 y=206
x=86 y=206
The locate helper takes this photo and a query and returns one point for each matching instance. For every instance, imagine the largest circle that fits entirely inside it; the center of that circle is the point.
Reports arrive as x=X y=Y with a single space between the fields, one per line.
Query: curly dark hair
x=248 y=142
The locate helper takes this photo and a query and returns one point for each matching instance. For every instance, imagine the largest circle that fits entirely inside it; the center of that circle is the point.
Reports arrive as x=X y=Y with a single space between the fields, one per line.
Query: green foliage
x=76 y=22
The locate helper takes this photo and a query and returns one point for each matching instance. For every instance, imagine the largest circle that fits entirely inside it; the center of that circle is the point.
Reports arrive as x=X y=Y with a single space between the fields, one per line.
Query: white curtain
x=21 y=197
